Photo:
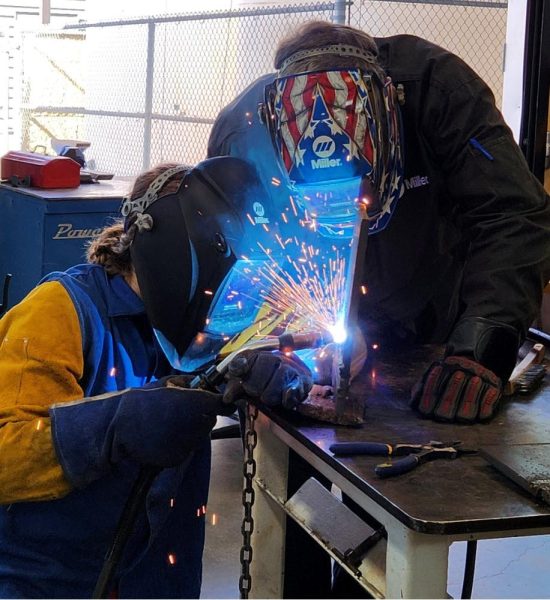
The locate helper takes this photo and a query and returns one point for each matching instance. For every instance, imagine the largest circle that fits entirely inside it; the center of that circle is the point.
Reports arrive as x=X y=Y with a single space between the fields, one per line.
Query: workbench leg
x=268 y=537
x=416 y=564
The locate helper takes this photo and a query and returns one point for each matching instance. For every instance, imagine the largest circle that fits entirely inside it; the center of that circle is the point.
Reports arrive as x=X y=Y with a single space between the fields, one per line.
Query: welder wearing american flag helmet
x=336 y=136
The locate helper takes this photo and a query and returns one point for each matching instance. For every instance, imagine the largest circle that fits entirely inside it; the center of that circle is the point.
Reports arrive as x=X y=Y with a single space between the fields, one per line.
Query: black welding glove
x=271 y=377
x=467 y=384
x=157 y=425
x=457 y=388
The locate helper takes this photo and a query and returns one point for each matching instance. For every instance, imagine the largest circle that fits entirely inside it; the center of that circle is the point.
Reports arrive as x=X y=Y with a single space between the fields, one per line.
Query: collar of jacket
x=113 y=293
x=121 y=299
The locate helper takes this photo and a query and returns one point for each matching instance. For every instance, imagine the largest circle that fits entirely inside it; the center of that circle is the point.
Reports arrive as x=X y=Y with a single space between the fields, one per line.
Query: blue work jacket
x=56 y=547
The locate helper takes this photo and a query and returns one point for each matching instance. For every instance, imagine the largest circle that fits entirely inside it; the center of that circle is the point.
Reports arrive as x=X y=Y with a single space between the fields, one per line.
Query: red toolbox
x=40 y=171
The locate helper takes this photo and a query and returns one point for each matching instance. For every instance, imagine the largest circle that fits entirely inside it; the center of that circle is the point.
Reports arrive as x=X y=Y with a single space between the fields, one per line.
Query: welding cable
x=469 y=569
x=124 y=528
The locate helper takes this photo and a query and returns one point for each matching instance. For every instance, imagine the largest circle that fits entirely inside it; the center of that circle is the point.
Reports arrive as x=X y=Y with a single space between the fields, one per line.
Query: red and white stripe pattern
x=294 y=106
x=358 y=108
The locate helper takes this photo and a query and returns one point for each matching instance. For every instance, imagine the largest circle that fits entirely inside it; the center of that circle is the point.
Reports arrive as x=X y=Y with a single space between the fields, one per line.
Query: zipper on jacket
x=478 y=146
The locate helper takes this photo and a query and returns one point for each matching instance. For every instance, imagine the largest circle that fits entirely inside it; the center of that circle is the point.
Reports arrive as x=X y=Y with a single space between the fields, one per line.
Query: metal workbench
x=423 y=511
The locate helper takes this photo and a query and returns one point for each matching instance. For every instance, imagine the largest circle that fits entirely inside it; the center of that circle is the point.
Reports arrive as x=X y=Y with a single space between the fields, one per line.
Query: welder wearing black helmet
x=458 y=248
x=87 y=397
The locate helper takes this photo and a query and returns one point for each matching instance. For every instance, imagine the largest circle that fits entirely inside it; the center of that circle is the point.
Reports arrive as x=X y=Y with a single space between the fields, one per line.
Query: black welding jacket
x=468 y=247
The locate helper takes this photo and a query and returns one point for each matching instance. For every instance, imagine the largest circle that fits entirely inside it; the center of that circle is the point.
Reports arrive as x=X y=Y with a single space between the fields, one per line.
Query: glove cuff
x=79 y=431
x=490 y=343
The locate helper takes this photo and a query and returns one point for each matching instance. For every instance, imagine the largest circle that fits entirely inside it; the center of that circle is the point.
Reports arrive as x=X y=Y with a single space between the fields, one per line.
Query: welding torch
x=286 y=343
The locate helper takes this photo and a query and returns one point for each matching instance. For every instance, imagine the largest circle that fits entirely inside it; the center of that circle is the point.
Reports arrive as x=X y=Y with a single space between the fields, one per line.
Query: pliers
x=413 y=454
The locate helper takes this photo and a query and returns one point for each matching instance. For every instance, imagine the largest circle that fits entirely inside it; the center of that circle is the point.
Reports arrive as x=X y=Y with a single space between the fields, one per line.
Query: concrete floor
x=508 y=568
x=221 y=567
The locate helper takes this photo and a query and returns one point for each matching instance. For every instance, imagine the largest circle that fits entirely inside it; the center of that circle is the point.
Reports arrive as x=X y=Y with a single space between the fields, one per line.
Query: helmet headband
x=133 y=209
x=332 y=49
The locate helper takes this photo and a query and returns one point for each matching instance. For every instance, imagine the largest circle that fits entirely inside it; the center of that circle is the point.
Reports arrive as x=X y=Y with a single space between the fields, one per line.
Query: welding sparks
x=293 y=206
x=306 y=288
x=290 y=276
x=311 y=295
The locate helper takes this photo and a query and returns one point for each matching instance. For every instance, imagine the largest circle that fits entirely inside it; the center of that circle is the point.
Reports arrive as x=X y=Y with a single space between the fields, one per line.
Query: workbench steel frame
x=407 y=552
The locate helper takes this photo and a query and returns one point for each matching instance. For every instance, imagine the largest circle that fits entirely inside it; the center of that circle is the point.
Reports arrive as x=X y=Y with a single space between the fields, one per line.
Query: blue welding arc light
x=338 y=332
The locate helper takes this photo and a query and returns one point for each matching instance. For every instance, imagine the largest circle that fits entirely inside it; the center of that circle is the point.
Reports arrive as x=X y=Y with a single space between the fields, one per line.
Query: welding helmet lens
x=236 y=303
x=336 y=136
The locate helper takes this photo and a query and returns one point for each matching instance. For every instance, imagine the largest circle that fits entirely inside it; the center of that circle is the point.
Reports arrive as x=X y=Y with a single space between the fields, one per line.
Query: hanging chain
x=249 y=471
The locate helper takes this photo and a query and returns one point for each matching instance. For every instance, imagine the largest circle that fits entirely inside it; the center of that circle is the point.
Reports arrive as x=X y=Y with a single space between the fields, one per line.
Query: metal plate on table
x=528 y=465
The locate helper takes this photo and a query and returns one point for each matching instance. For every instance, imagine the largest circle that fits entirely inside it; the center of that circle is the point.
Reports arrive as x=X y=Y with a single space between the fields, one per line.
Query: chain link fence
x=475 y=30
x=145 y=91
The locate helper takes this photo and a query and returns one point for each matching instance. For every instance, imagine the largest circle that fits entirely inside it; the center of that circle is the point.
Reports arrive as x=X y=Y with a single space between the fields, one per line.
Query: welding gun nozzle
x=288 y=342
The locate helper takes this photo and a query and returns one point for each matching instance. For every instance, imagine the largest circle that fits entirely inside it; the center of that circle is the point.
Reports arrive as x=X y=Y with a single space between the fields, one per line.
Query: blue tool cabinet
x=47 y=230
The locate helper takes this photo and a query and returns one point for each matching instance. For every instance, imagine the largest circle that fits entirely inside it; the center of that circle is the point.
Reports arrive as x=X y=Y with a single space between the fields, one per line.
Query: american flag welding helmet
x=336 y=136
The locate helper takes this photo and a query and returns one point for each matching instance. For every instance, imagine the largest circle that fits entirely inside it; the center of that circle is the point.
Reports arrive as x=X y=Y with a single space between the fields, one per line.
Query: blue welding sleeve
x=155 y=426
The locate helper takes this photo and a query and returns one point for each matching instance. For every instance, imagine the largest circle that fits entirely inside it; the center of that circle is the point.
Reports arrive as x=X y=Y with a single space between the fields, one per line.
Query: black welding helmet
x=190 y=243
x=336 y=137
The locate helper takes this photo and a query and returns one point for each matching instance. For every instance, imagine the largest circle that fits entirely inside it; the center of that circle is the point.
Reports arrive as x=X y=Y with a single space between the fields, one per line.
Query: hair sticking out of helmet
x=111 y=248
x=321 y=45
x=133 y=207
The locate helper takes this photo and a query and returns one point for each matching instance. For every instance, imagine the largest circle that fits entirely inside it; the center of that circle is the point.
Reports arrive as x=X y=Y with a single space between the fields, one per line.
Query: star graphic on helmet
x=352 y=150
x=310 y=129
x=334 y=127
x=299 y=156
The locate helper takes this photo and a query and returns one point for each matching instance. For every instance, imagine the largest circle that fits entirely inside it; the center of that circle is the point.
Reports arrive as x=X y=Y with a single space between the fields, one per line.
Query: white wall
x=513 y=66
